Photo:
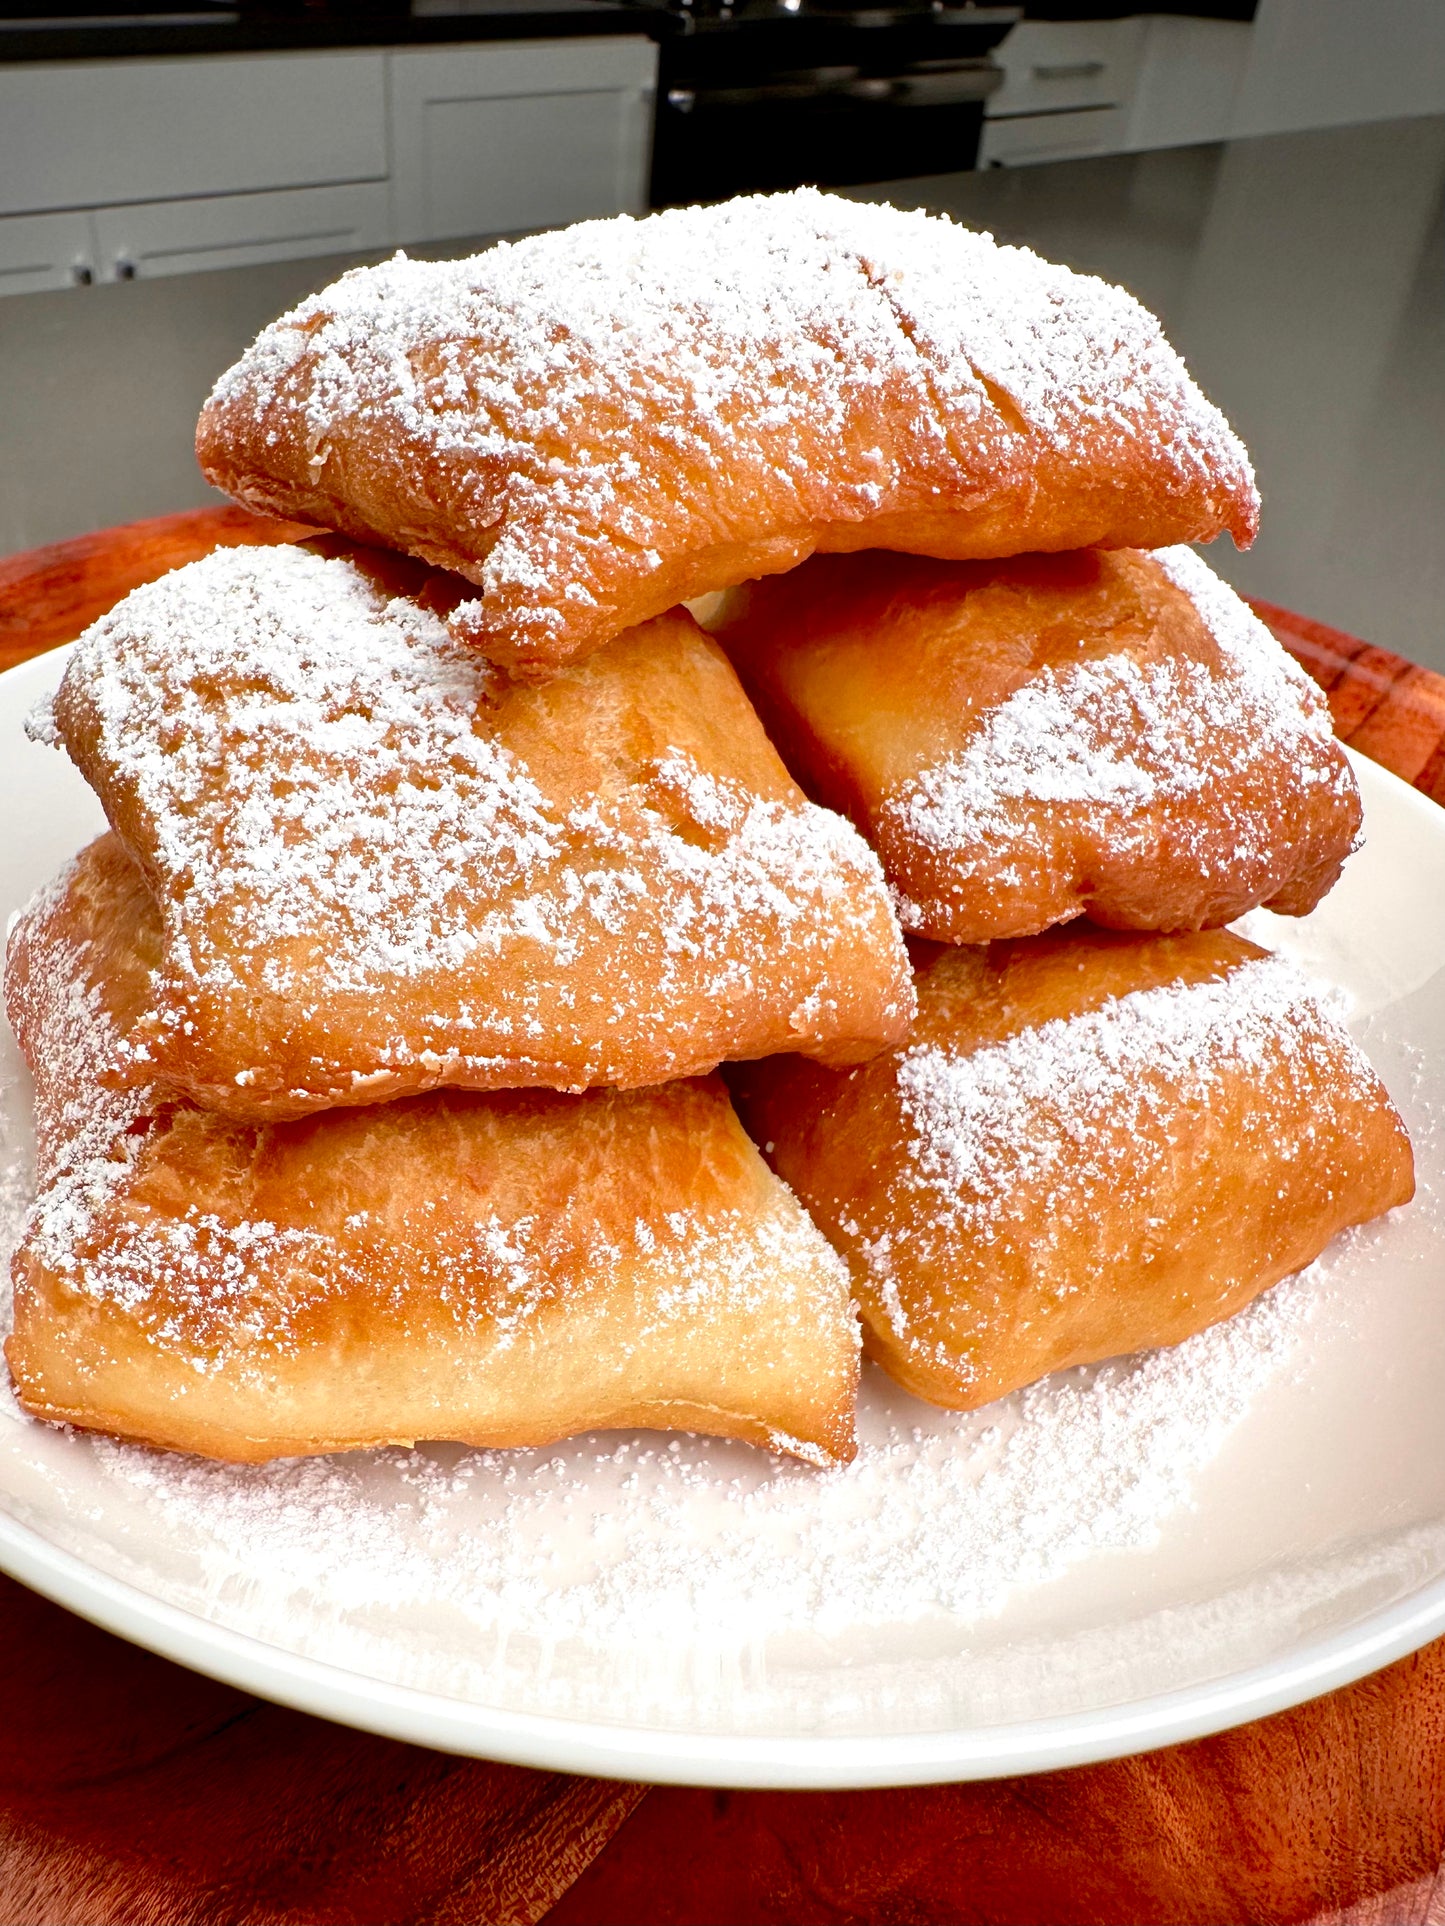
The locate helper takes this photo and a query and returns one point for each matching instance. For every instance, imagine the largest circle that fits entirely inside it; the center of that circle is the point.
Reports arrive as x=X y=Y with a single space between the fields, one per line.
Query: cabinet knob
x=124 y=268
x=82 y=273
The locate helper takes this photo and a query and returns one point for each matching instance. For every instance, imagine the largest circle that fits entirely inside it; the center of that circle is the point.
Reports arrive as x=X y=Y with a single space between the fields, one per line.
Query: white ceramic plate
x=1121 y=1558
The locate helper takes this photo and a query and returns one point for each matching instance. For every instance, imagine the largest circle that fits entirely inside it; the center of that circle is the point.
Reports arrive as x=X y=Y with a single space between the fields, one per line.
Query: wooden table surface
x=134 y=1791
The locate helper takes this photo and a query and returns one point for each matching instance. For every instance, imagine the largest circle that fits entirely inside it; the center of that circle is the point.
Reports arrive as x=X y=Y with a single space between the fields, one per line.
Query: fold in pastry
x=1091 y=1144
x=503 y=1269
x=1111 y=735
x=382 y=867
x=598 y=423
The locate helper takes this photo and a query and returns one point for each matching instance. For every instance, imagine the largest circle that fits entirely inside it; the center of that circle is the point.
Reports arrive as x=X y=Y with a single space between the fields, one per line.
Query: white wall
x=1324 y=63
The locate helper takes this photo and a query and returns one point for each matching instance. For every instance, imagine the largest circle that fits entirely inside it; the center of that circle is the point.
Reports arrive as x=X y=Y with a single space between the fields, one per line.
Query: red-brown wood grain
x=1391 y=710
x=1277 y=1821
x=134 y=1791
x=48 y=595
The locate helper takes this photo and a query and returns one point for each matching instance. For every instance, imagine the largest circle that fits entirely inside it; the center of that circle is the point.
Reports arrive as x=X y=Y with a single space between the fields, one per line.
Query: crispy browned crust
x=591 y=431
x=736 y=919
x=502 y=1270
x=1223 y=788
x=1161 y=1213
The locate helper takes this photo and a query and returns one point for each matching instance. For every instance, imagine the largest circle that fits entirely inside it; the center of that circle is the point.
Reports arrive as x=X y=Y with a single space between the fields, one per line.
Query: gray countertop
x=1303 y=278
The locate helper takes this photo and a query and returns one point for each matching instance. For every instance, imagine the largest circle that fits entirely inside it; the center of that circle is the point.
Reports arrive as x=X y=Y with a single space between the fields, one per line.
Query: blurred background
x=1269 y=178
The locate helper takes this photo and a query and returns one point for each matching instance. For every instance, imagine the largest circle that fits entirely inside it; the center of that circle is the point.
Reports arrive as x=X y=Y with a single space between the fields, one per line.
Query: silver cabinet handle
x=1068 y=70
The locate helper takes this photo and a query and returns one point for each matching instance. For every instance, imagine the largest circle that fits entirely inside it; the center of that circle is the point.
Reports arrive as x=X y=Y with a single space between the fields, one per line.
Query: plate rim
x=752 y=1761
x=757 y=1760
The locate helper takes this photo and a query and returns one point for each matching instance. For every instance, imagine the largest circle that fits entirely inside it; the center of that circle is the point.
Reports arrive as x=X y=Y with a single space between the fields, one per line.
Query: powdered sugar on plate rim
x=621 y=1543
x=327 y=1561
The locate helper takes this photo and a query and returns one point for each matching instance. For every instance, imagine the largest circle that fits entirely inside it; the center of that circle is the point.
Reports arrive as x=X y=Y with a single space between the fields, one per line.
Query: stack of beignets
x=1089 y=1141
x=354 y=861
x=383 y=867
x=504 y=1269
x=596 y=424
x=372 y=1047
x=1105 y=734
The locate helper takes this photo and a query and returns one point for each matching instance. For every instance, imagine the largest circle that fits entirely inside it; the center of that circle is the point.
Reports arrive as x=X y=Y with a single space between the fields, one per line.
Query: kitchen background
x=173 y=173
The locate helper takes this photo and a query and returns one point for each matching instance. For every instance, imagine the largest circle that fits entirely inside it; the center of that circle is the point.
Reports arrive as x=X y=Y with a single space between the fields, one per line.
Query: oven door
x=833 y=126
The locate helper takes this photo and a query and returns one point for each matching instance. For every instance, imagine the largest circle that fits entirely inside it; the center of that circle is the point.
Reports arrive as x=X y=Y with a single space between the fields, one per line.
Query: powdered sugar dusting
x=941 y=1512
x=1113 y=740
x=142 y=1205
x=283 y=725
x=550 y=382
x=311 y=772
x=612 y=1540
x=671 y=1566
x=622 y=1540
x=1050 y=1096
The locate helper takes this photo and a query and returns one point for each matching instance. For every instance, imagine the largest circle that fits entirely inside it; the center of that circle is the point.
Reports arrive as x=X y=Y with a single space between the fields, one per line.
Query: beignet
x=595 y=424
x=1091 y=1144
x=1112 y=735
x=382 y=867
x=503 y=1270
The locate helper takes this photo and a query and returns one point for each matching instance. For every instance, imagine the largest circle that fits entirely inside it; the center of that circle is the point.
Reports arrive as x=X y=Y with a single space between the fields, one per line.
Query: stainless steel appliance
x=756 y=94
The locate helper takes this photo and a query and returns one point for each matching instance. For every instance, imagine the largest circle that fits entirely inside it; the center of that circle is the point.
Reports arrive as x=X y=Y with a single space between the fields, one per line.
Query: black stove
x=764 y=94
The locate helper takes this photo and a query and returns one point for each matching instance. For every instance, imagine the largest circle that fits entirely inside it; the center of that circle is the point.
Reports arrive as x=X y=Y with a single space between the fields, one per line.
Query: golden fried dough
x=504 y=1269
x=1091 y=1144
x=595 y=424
x=383 y=868
x=1114 y=735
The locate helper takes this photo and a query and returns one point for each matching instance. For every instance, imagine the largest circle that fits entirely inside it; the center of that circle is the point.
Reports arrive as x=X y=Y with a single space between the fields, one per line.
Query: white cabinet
x=103 y=133
x=230 y=230
x=1075 y=88
x=1061 y=135
x=1059 y=66
x=1066 y=91
x=125 y=169
x=45 y=251
x=177 y=237
x=489 y=140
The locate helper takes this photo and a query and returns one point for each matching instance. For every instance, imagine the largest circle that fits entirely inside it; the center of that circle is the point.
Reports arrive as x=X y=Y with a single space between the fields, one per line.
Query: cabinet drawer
x=1046 y=137
x=497 y=139
x=45 y=251
x=1053 y=65
x=95 y=134
x=229 y=230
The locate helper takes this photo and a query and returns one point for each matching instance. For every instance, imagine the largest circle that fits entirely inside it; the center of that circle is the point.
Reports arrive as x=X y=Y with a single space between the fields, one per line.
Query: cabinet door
x=229 y=230
x=1023 y=139
x=90 y=134
x=1057 y=66
x=491 y=140
x=45 y=251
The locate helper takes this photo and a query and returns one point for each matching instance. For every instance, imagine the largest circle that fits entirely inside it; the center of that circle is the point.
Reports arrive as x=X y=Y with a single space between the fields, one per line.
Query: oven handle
x=965 y=83
x=927 y=90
